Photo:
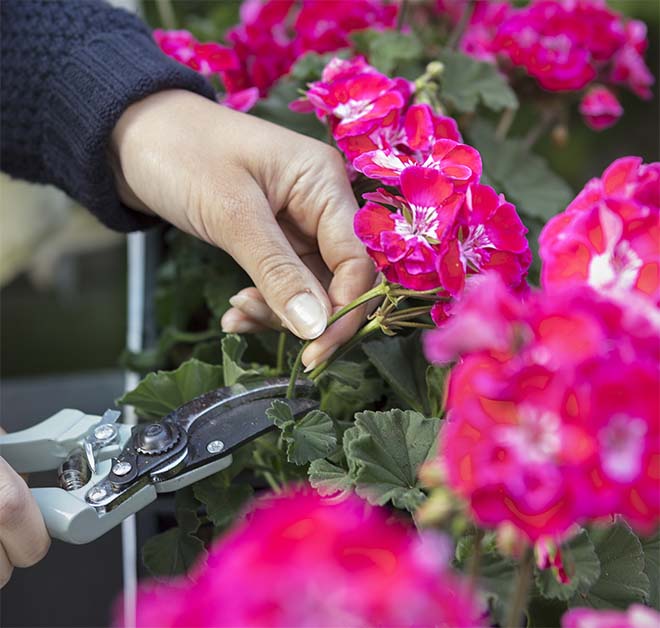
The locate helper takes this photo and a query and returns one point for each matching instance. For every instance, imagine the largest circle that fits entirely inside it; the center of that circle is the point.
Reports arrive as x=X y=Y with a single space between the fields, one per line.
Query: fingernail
x=321 y=358
x=237 y=327
x=306 y=316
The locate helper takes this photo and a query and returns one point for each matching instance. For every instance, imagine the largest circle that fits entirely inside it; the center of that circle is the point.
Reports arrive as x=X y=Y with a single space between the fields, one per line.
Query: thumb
x=288 y=286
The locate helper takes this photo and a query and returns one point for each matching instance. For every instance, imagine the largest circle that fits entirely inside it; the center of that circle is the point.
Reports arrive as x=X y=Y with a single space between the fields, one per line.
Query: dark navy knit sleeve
x=69 y=70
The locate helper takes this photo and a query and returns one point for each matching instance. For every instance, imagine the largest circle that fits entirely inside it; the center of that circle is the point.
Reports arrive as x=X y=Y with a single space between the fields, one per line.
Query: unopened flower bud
x=432 y=474
x=560 y=135
x=510 y=541
x=435 y=509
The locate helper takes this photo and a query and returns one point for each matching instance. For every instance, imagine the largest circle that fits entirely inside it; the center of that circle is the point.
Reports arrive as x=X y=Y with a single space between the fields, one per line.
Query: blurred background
x=63 y=313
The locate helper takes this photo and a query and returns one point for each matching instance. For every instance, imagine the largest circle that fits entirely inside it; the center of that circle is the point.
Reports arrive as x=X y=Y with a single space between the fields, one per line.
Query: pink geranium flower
x=609 y=237
x=207 y=59
x=488 y=235
x=243 y=100
x=600 y=108
x=299 y=561
x=637 y=616
x=552 y=413
x=404 y=244
x=353 y=97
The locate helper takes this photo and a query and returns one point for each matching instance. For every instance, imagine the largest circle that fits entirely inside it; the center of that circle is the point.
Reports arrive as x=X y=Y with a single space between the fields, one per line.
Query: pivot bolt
x=122 y=467
x=215 y=447
x=104 y=432
x=97 y=494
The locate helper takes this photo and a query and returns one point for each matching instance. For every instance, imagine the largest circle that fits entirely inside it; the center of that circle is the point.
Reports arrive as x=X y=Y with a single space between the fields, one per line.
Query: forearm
x=70 y=69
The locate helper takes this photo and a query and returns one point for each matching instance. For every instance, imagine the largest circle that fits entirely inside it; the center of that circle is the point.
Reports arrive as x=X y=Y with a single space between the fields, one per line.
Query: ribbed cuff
x=94 y=86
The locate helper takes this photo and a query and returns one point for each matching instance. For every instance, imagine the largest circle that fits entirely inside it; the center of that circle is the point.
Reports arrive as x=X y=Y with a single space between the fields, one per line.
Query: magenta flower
x=628 y=66
x=207 y=59
x=459 y=163
x=488 y=235
x=552 y=413
x=637 y=616
x=404 y=244
x=609 y=236
x=600 y=108
x=241 y=101
x=299 y=561
x=353 y=97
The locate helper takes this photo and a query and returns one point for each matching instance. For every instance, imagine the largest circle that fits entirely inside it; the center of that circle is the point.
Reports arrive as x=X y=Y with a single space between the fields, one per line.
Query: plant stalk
x=504 y=124
x=281 y=347
x=460 y=27
x=166 y=14
x=401 y=19
x=519 y=596
x=381 y=289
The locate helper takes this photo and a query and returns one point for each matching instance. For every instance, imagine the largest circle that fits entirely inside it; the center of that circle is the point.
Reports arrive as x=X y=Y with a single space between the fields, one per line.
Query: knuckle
x=13 y=503
x=37 y=550
x=278 y=273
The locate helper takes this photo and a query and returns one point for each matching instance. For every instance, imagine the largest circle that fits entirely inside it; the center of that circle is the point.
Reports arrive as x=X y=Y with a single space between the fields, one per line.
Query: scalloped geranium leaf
x=466 y=82
x=651 y=548
x=310 y=438
x=384 y=452
x=582 y=567
x=235 y=370
x=401 y=363
x=496 y=579
x=172 y=553
x=622 y=579
x=390 y=51
x=328 y=478
x=525 y=178
x=186 y=506
x=161 y=392
x=223 y=502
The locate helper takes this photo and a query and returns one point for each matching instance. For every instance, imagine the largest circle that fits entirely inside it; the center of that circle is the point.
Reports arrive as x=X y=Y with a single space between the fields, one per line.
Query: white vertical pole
x=134 y=342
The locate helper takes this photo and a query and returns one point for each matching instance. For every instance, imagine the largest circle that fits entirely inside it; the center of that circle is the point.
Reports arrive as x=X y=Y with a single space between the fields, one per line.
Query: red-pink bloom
x=241 y=101
x=488 y=235
x=609 y=236
x=459 y=163
x=404 y=244
x=353 y=97
x=600 y=108
x=209 y=58
x=323 y=26
x=552 y=413
x=637 y=616
x=628 y=66
x=299 y=561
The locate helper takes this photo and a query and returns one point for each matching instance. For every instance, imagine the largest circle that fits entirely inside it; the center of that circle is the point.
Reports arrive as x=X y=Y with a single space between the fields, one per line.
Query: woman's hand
x=277 y=201
x=24 y=540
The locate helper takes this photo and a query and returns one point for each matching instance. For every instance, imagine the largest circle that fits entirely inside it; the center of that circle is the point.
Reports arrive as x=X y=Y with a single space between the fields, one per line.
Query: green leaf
x=401 y=363
x=651 y=549
x=310 y=438
x=524 y=177
x=172 y=553
x=390 y=51
x=622 y=581
x=349 y=373
x=309 y=67
x=186 y=507
x=161 y=392
x=223 y=502
x=466 y=82
x=496 y=578
x=327 y=478
x=436 y=384
x=233 y=348
x=582 y=567
x=275 y=109
x=384 y=451
x=341 y=400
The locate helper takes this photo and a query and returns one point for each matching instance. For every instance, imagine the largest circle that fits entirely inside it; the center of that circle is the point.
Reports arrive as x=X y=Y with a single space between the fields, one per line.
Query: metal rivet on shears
x=121 y=468
x=104 y=432
x=97 y=494
x=215 y=447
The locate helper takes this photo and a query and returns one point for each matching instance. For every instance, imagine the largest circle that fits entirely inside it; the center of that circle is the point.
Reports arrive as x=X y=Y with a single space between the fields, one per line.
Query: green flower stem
x=196 y=336
x=411 y=312
x=281 y=347
x=381 y=289
x=267 y=474
x=401 y=21
x=518 y=601
x=475 y=563
x=413 y=324
x=404 y=292
x=371 y=327
x=458 y=31
x=166 y=14
x=504 y=124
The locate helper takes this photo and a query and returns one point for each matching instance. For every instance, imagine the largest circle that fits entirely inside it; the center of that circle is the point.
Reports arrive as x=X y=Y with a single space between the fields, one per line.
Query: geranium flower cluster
x=271 y=36
x=299 y=561
x=637 y=616
x=445 y=225
x=566 y=45
x=609 y=236
x=553 y=411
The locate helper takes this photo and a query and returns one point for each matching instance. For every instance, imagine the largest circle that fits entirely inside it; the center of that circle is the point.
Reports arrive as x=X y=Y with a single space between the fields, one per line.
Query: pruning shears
x=108 y=470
